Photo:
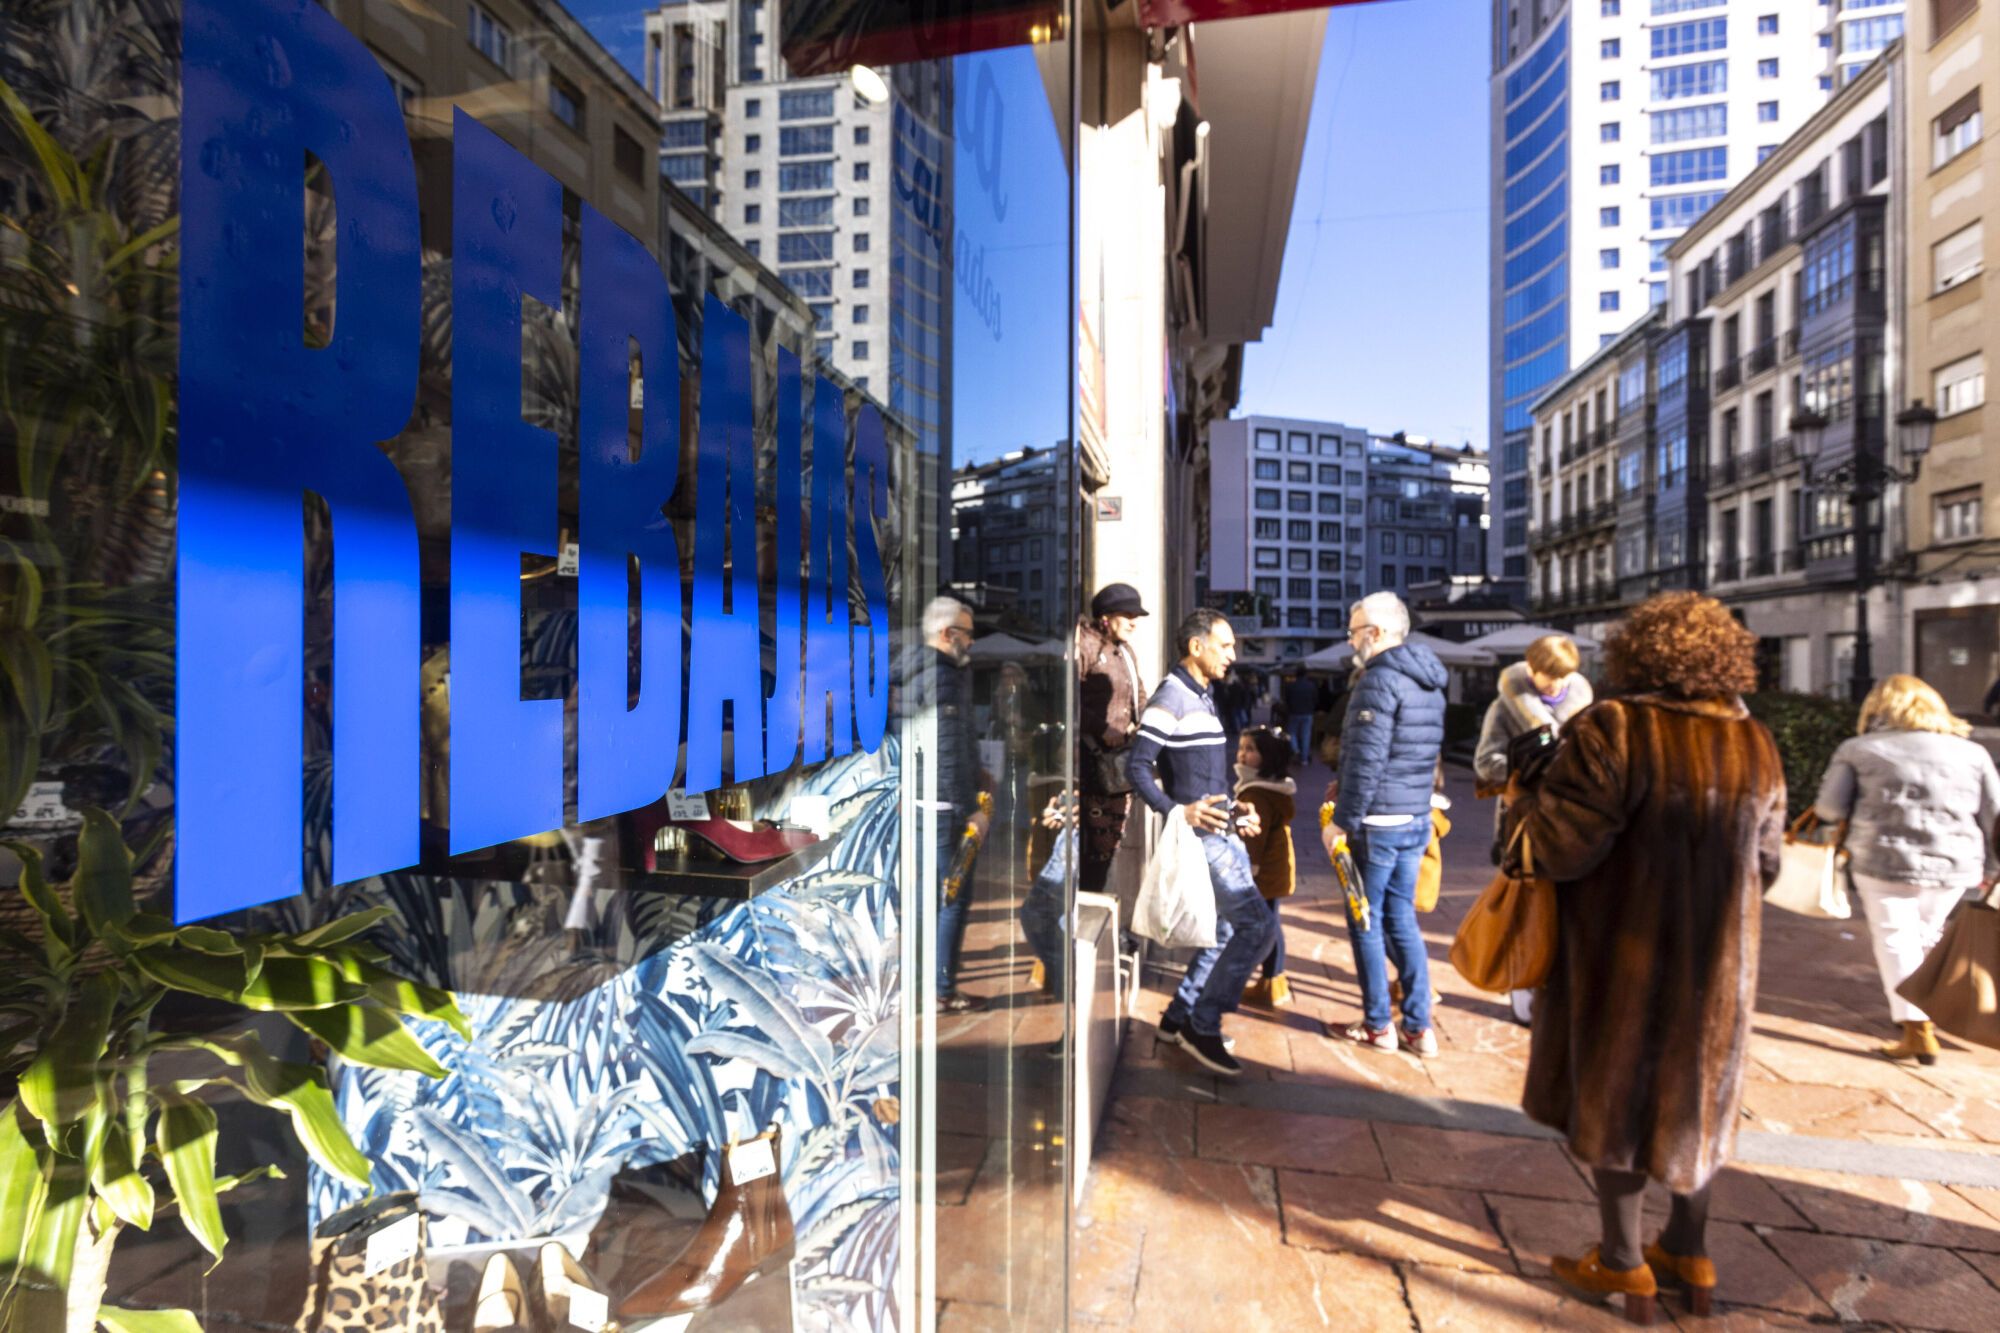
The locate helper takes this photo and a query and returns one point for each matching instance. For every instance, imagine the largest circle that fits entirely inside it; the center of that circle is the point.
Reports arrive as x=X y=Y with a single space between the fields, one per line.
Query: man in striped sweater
x=1180 y=761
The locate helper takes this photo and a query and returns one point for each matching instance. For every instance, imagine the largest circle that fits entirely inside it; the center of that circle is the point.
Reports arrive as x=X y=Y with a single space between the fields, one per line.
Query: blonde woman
x=1920 y=800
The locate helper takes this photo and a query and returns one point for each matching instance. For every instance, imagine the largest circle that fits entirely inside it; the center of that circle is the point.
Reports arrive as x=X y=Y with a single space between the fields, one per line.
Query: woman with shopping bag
x=1657 y=824
x=1920 y=799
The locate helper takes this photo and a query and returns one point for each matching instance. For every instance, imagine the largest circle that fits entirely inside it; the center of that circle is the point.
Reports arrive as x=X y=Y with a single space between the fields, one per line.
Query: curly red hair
x=1683 y=644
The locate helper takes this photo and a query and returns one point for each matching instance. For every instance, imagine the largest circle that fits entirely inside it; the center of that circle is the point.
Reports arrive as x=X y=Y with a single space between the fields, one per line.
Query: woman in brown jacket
x=1660 y=820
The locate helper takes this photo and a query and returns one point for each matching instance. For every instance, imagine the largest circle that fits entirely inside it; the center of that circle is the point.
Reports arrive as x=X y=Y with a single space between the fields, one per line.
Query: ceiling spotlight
x=869 y=86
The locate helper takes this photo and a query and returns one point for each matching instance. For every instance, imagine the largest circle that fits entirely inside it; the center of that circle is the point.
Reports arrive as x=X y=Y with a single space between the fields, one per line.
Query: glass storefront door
x=536 y=586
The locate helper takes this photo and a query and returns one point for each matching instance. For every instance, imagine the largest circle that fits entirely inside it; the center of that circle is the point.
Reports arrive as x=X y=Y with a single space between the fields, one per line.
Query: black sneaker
x=1172 y=1032
x=1211 y=1052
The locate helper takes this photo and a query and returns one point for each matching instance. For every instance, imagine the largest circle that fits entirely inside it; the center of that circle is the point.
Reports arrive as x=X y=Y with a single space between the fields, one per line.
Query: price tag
x=44 y=805
x=752 y=1161
x=680 y=805
x=812 y=812
x=393 y=1244
x=566 y=561
x=588 y=1310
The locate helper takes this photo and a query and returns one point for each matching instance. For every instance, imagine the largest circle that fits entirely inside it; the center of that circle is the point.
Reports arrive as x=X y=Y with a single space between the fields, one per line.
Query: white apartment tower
x=1615 y=124
x=803 y=171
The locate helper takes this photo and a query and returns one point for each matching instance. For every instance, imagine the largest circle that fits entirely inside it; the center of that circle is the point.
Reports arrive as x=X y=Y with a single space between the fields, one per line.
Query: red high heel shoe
x=748 y=844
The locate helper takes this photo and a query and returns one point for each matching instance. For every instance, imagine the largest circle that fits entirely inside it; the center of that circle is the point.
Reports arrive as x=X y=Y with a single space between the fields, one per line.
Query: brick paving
x=1335 y=1187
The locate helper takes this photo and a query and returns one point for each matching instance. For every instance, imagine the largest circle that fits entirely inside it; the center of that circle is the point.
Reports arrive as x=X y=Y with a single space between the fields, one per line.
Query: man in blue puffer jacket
x=1390 y=742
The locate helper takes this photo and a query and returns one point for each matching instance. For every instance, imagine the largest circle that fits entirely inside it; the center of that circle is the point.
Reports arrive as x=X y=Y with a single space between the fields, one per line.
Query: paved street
x=1336 y=1187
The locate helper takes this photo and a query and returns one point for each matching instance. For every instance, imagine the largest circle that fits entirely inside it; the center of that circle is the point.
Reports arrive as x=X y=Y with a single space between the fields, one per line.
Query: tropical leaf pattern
x=660 y=1027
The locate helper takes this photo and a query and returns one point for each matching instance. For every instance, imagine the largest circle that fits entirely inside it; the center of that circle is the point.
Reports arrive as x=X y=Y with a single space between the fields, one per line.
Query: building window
x=805 y=104
x=565 y=101
x=1329 y=504
x=860 y=351
x=1690 y=165
x=861 y=171
x=1690 y=122
x=1267 y=558
x=1767 y=25
x=1266 y=469
x=860 y=242
x=753 y=143
x=822 y=311
x=1686 y=39
x=805 y=176
x=1299 y=443
x=490 y=37
x=860 y=136
x=1329 y=474
x=1268 y=530
x=752 y=179
x=753 y=108
x=1607 y=217
x=1267 y=442
x=1608 y=49
x=627 y=156
x=1607 y=91
x=1764 y=150
x=1608 y=132
x=1608 y=174
x=1946 y=15
x=860 y=277
x=1299 y=590
x=1955 y=515
x=1681 y=210
x=1607 y=300
x=861 y=207
x=1767 y=111
x=805 y=140
x=1330 y=533
x=805 y=247
x=1960 y=386
x=753 y=214
x=1956 y=130
x=1299 y=502
x=1607 y=9
x=860 y=315
x=755 y=249
x=1387 y=543
x=1957 y=257
x=1329 y=446
x=1299 y=560
x=1767 y=69
x=1299 y=530
x=1299 y=472
x=1826 y=83
x=1707 y=78
x=1267 y=587
x=1267 y=498
x=806 y=211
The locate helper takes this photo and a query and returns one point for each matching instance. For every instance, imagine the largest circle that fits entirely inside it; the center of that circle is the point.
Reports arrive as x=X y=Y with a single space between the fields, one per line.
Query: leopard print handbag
x=343 y=1296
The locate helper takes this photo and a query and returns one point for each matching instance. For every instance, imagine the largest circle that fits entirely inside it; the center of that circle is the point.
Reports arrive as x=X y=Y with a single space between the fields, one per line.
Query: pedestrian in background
x=1544 y=691
x=1264 y=784
x=1301 y=698
x=1179 y=765
x=1110 y=696
x=1919 y=799
x=1660 y=820
x=1381 y=801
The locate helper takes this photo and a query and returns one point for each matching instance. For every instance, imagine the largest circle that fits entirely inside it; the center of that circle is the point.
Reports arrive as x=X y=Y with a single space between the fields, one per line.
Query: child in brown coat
x=1263 y=759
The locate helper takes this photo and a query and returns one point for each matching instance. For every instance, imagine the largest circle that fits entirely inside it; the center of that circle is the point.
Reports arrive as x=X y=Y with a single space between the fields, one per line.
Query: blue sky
x=1381 y=318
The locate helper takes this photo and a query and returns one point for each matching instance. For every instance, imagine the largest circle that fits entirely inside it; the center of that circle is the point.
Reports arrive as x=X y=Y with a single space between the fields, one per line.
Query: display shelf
x=678 y=872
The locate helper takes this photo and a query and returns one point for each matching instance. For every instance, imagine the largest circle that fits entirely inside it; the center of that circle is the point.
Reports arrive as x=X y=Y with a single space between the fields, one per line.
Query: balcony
x=1763 y=356
x=1762 y=565
x=1728 y=571
x=1729 y=375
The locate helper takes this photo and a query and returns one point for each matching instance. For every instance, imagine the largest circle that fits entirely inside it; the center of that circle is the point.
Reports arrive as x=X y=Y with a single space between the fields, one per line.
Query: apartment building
x=1288 y=505
x=1616 y=124
x=1593 y=444
x=1792 y=273
x=1426 y=514
x=1952 y=598
x=1009 y=560
x=1856 y=32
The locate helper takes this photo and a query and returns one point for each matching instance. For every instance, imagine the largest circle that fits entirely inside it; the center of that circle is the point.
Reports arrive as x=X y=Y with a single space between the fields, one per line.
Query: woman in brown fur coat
x=1660 y=819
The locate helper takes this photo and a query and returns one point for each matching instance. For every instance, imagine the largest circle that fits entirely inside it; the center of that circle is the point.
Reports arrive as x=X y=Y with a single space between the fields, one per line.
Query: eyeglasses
x=959 y=630
x=1356 y=631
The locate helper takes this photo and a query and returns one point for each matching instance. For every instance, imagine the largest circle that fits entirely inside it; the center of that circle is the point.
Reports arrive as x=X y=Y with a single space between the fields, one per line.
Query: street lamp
x=1864 y=476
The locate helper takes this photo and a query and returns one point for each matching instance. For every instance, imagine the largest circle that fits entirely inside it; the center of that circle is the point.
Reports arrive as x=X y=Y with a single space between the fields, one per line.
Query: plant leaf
x=185 y=1138
x=103 y=881
x=295 y=983
x=343 y=928
x=147 y=1321
x=55 y=920
x=198 y=974
x=49 y=1250
x=62 y=1084
x=301 y=1090
x=114 y=1171
x=368 y=1036
x=24 y=1189
x=404 y=996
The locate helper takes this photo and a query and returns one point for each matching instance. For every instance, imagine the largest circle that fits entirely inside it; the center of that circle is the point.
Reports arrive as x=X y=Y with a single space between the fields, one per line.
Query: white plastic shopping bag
x=1176 y=904
x=1812 y=877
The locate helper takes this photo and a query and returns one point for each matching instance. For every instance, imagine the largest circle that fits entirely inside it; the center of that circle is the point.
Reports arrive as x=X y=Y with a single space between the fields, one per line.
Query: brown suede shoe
x=1590 y=1279
x=1695 y=1274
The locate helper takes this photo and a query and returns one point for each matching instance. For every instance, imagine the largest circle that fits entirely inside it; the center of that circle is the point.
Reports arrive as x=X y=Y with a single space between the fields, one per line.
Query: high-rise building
x=804 y=172
x=1615 y=125
x=1287 y=531
x=1009 y=560
x=1855 y=33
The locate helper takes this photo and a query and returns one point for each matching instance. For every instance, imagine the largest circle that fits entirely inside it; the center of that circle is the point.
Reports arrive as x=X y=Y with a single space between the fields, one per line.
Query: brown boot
x=1919 y=1043
x=1693 y=1274
x=1258 y=993
x=1281 y=991
x=1590 y=1279
x=748 y=1233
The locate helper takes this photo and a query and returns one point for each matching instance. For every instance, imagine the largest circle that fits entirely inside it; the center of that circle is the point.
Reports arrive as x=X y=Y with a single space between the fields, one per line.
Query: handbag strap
x=1520 y=839
x=1803 y=825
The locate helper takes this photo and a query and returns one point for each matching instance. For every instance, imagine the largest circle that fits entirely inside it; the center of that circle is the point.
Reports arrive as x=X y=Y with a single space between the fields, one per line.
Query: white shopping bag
x=1176 y=904
x=1812 y=877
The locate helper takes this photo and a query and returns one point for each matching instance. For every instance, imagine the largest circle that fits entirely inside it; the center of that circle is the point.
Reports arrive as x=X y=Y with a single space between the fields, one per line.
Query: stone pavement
x=1335 y=1187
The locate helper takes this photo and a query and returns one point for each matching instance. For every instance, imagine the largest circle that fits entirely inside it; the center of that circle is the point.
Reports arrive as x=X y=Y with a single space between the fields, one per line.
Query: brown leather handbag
x=1507 y=942
x=1430 y=871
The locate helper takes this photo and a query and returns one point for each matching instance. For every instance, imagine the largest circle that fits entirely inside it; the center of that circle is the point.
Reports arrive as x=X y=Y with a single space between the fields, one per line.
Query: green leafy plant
x=111 y=1124
x=1808 y=729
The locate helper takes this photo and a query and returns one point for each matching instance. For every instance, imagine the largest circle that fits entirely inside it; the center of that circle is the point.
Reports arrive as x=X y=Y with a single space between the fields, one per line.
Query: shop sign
x=267 y=420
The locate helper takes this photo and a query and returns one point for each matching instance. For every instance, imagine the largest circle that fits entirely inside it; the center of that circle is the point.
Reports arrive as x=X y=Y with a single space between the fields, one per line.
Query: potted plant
x=107 y=1126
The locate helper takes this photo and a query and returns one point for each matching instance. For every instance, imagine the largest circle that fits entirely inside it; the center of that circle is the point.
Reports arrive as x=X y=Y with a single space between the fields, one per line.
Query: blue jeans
x=951 y=916
x=1215 y=979
x=1274 y=957
x=1042 y=912
x=1388 y=859
x=1300 y=725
